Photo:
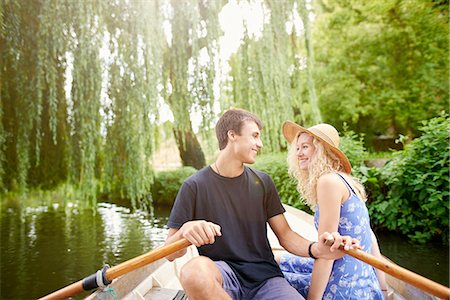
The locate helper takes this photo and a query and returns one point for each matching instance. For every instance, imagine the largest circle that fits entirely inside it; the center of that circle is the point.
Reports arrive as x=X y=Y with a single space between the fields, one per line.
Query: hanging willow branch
x=260 y=80
x=133 y=81
x=85 y=95
x=304 y=13
x=189 y=81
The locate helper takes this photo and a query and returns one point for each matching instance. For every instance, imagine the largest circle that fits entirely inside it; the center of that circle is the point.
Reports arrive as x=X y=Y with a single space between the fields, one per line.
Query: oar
x=401 y=273
x=89 y=282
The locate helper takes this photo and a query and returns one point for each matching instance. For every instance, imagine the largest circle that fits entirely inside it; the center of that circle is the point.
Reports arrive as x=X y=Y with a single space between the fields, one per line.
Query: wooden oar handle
x=147 y=258
x=125 y=267
x=401 y=273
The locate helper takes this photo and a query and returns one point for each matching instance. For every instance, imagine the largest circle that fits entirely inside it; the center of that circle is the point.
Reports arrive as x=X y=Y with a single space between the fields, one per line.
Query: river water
x=46 y=247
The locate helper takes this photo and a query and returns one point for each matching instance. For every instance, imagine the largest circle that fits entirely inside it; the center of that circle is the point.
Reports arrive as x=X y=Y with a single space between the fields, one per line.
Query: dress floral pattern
x=350 y=278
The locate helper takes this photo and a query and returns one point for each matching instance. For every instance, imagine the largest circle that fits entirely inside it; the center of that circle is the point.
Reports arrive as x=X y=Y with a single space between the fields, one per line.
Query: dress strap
x=346 y=183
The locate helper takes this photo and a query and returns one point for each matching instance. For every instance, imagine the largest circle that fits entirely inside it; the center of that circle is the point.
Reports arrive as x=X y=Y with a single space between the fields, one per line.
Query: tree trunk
x=190 y=151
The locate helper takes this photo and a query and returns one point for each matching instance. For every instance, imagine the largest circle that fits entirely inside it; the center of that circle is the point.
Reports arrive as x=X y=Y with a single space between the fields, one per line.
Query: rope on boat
x=112 y=292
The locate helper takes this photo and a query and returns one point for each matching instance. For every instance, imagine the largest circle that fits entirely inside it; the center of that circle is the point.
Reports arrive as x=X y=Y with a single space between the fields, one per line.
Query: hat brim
x=291 y=130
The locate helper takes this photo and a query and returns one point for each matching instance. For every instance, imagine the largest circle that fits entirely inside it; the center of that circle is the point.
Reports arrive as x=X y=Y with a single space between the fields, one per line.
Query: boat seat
x=158 y=293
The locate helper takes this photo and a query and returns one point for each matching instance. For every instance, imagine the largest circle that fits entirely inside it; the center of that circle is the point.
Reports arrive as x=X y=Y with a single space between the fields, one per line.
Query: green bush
x=352 y=145
x=167 y=183
x=417 y=184
x=276 y=166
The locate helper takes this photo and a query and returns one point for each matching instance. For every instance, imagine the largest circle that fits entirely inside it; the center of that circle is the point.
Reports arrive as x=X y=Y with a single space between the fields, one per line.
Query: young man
x=223 y=210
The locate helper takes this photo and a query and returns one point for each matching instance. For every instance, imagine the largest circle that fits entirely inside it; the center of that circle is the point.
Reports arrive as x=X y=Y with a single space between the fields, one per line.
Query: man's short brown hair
x=233 y=119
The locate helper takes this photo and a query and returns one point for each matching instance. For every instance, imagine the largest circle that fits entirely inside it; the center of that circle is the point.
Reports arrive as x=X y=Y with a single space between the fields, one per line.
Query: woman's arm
x=331 y=192
x=319 y=279
x=375 y=250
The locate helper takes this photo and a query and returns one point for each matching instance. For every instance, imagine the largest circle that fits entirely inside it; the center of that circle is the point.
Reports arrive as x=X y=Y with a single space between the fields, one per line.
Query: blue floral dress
x=350 y=278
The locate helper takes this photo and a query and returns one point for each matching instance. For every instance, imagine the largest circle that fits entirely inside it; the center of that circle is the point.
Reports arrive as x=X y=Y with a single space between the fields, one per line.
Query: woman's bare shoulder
x=330 y=181
x=328 y=178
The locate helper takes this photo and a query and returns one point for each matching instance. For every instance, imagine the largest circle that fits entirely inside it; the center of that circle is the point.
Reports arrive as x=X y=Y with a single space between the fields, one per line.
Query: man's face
x=248 y=143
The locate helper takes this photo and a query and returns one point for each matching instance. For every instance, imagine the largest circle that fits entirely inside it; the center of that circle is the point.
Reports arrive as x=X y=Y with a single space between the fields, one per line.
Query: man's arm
x=289 y=239
x=173 y=236
x=197 y=232
x=298 y=245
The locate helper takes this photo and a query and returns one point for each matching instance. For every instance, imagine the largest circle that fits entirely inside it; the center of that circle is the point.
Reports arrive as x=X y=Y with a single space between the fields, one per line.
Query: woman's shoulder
x=335 y=177
x=328 y=178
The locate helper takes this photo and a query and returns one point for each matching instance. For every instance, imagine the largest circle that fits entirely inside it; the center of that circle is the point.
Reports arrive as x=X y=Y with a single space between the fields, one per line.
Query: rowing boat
x=160 y=280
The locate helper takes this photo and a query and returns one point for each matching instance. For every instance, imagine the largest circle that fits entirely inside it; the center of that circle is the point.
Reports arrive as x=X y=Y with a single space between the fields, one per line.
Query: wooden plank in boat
x=158 y=293
x=406 y=290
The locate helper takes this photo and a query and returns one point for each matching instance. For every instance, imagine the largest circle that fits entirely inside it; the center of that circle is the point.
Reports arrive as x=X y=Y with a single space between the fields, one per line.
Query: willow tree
x=260 y=77
x=97 y=135
x=194 y=27
x=115 y=58
x=307 y=27
x=86 y=31
x=135 y=45
x=34 y=123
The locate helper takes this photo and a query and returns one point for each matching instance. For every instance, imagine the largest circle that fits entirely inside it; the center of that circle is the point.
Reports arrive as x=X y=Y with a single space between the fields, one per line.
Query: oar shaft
x=145 y=259
x=403 y=274
x=125 y=267
x=66 y=292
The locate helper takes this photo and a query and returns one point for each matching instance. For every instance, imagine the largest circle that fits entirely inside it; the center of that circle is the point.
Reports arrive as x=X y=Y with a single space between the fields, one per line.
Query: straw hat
x=325 y=133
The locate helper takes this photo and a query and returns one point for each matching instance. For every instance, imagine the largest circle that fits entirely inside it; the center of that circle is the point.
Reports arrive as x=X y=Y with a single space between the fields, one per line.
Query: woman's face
x=305 y=150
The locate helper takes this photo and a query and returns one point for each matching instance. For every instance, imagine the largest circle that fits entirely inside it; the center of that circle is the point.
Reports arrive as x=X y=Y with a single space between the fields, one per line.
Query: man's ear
x=231 y=135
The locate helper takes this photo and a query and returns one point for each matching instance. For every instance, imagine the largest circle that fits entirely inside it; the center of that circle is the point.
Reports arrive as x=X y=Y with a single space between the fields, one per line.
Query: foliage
x=378 y=66
x=276 y=166
x=417 y=183
x=382 y=66
x=167 y=183
x=352 y=144
x=188 y=82
x=259 y=79
x=81 y=86
x=132 y=99
x=82 y=82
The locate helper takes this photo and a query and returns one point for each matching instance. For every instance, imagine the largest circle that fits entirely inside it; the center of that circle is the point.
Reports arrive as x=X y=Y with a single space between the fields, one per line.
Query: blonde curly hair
x=322 y=162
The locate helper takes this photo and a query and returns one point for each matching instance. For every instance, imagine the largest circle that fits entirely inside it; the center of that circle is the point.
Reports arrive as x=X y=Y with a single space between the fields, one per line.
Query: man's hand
x=329 y=243
x=200 y=232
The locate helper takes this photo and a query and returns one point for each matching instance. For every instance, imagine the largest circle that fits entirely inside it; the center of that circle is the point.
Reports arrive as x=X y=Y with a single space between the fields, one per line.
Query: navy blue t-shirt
x=241 y=206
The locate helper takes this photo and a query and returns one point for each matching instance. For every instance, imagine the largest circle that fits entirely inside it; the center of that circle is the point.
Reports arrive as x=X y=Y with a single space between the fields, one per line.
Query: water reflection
x=44 y=248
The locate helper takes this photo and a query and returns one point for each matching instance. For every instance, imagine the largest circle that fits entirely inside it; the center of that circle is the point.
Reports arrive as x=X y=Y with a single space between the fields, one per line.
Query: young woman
x=323 y=179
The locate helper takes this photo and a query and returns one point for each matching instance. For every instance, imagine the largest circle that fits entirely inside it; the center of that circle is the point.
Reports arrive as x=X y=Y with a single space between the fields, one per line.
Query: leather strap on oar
x=107 y=275
x=401 y=273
